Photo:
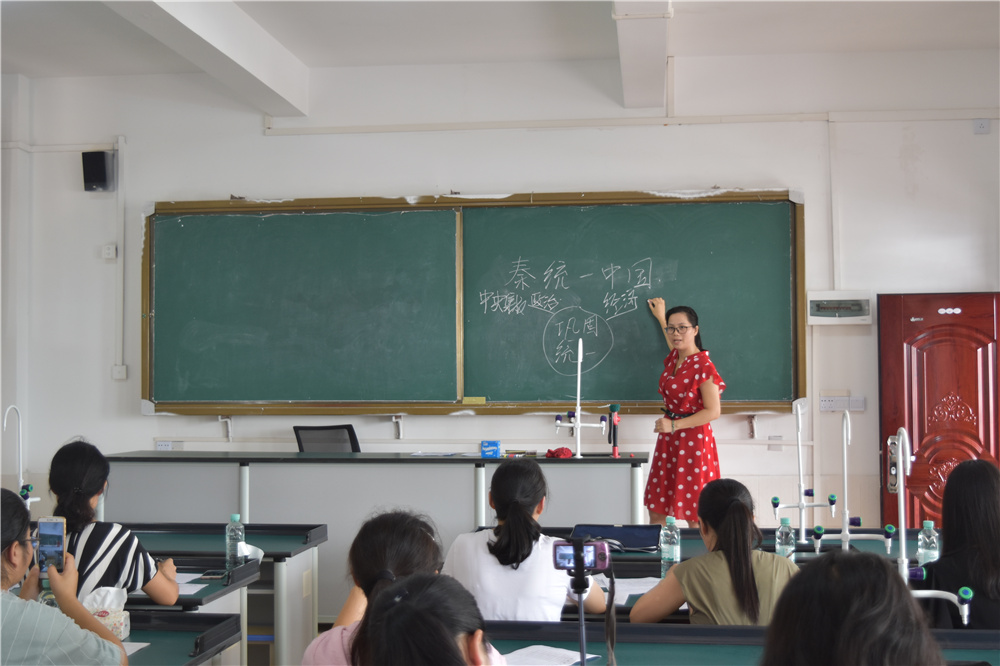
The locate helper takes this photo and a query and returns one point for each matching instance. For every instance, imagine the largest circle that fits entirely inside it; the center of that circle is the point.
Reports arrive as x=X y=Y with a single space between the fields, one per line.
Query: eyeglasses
x=678 y=329
x=33 y=541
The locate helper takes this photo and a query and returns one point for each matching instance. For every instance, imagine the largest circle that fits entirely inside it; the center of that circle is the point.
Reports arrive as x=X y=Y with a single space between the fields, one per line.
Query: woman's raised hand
x=658 y=307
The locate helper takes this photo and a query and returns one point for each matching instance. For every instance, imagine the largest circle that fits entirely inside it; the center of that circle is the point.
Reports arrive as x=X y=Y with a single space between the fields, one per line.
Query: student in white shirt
x=509 y=569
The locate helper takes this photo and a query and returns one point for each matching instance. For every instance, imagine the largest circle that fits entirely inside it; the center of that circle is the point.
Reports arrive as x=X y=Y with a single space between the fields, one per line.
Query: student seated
x=35 y=633
x=970 y=552
x=509 y=569
x=107 y=554
x=849 y=607
x=388 y=546
x=731 y=584
x=428 y=619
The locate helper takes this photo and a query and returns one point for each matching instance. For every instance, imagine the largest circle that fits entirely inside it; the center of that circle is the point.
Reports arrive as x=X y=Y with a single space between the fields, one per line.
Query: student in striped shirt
x=107 y=554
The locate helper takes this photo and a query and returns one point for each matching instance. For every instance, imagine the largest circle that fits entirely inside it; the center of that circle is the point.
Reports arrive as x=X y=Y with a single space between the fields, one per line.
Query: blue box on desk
x=490 y=448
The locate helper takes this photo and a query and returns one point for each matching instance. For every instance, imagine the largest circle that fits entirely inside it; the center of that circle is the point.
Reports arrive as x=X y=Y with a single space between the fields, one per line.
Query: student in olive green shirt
x=731 y=584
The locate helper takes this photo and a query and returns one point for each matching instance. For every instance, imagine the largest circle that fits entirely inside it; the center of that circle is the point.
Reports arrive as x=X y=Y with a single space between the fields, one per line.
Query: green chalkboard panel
x=294 y=306
x=537 y=279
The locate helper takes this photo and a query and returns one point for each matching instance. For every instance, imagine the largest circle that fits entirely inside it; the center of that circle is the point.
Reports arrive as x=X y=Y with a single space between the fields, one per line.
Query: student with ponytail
x=734 y=583
x=107 y=554
x=509 y=569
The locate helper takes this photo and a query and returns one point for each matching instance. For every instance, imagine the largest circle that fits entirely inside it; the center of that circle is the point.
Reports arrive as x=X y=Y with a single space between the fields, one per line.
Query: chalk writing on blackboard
x=624 y=286
x=515 y=297
x=565 y=328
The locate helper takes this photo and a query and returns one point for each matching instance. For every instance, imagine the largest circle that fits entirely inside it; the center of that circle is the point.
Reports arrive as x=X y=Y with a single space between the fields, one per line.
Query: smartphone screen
x=564 y=556
x=51 y=544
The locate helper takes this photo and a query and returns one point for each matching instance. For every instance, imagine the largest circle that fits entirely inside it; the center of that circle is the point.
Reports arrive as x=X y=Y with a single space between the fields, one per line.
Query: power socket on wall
x=167 y=445
x=834 y=403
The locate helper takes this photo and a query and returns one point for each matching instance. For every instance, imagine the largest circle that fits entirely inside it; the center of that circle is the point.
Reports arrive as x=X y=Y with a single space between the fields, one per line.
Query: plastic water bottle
x=927 y=544
x=670 y=545
x=234 y=537
x=784 y=540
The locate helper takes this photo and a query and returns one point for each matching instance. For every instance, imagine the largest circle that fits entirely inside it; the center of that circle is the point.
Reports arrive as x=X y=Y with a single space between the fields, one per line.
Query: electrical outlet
x=858 y=403
x=109 y=251
x=164 y=446
x=981 y=126
x=834 y=403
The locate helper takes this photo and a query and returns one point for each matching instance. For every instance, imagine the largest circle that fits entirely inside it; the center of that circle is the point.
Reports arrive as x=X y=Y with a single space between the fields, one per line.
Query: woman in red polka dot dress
x=685 y=458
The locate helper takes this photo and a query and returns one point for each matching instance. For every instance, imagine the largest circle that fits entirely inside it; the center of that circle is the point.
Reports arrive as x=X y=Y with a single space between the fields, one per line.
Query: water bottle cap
x=234 y=517
x=786 y=521
x=928 y=524
x=671 y=520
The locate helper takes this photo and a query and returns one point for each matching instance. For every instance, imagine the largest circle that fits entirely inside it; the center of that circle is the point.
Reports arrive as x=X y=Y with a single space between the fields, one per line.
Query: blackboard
x=539 y=278
x=305 y=306
x=434 y=305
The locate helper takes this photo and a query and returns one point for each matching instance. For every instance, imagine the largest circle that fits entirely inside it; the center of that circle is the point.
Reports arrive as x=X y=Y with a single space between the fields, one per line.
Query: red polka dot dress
x=686 y=460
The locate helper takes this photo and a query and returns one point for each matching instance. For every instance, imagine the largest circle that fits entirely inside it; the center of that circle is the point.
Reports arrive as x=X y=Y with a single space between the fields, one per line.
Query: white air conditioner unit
x=839 y=307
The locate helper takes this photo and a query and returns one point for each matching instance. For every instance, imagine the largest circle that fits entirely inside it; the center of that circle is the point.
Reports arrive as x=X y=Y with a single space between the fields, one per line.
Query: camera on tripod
x=595 y=556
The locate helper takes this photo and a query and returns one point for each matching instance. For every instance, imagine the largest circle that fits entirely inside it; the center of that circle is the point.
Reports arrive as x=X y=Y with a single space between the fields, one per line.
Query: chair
x=327 y=439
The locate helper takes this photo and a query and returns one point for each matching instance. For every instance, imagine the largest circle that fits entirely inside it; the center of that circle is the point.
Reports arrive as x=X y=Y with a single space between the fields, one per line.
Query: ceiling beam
x=228 y=45
x=642 y=51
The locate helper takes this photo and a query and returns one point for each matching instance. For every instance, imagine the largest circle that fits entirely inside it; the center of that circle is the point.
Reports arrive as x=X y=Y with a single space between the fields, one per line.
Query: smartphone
x=51 y=544
x=214 y=574
x=595 y=555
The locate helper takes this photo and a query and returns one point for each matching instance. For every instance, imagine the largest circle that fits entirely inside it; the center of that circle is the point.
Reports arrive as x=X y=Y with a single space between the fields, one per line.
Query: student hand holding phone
x=31 y=586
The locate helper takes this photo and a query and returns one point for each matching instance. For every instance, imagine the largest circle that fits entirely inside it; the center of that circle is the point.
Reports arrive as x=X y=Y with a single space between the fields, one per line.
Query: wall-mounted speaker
x=99 y=171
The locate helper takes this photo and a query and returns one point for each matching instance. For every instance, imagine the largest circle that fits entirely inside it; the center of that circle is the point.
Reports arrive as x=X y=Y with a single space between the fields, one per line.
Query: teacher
x=685 y=458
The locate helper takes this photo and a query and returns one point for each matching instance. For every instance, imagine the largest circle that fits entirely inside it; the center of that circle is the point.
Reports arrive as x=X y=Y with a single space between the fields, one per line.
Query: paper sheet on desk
x=544 y=655
x=132 y=648
x=182 y=588
x=627 y=586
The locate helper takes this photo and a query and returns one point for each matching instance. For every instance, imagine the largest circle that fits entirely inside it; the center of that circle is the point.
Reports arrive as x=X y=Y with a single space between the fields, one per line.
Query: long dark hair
x=692 y=317
x=517 y=487
x=848 y=607
x=419 y=620
x=77 y=473
x=970 y=522
x=388 y=546
x=15 y=523
x=727 y=507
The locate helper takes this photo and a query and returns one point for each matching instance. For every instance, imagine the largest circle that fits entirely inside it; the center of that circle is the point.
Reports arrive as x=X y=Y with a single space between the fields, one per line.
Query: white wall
x=899 y=195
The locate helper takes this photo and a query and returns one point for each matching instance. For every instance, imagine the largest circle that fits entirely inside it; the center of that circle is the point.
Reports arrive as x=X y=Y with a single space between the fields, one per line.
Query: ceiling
x=81 y=38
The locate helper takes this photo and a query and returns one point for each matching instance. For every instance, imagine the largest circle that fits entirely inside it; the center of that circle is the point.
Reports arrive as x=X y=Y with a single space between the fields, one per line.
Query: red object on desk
x=561 y=452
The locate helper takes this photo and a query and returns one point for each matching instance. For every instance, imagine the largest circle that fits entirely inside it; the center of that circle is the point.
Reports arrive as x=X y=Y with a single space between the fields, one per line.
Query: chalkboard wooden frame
x=457 y=203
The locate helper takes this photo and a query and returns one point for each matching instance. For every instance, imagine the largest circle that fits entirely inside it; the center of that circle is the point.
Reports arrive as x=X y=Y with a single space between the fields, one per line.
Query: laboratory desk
x=247 y=460
x=291 y=548
x=180 y=639
x=645 y=565
x=212 y=590
x=697 y=644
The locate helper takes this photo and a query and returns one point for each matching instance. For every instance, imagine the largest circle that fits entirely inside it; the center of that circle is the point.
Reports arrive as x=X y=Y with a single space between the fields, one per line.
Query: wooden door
x=938 y=379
